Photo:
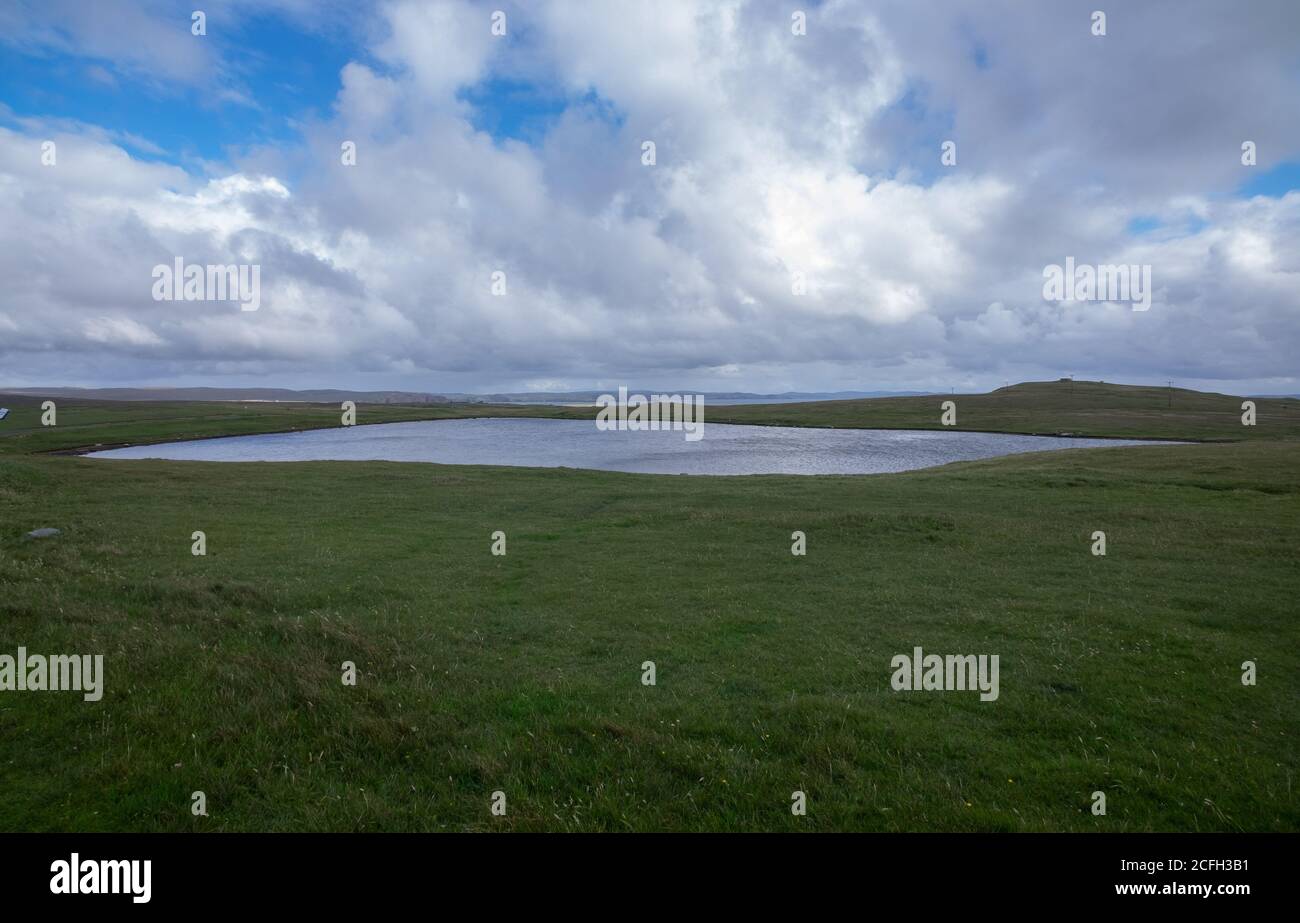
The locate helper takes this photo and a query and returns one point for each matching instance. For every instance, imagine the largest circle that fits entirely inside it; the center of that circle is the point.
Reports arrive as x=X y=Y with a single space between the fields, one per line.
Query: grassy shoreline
x=522 y=673
x=1082 y=409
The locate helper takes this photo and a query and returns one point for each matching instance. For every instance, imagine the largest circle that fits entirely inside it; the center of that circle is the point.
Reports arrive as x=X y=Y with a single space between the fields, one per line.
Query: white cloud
x=777 y=154
x=120 y=331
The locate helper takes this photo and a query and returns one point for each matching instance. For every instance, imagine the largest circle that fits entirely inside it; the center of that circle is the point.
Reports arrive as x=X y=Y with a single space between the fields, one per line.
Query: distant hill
x=1062 y=407
x=319 y=396
x=335 y=395
x=712 y=397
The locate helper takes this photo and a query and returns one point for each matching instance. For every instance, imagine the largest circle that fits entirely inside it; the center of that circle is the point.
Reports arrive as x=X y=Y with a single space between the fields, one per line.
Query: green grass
x=1080 y=408
x=84 y=425
x=522 y=673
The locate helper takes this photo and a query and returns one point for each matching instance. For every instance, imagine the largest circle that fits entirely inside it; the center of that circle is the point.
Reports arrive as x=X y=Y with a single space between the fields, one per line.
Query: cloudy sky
x=779 y=157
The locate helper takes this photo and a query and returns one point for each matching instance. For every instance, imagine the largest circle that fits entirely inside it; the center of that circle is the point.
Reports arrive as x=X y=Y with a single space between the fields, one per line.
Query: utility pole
x=1171 y=394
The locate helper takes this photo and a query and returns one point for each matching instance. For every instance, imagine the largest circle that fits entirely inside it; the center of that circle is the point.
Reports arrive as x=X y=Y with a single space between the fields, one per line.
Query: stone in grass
x=42 y=533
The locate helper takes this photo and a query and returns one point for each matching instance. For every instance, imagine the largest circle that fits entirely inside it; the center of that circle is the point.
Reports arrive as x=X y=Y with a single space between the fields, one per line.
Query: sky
x=500 y=228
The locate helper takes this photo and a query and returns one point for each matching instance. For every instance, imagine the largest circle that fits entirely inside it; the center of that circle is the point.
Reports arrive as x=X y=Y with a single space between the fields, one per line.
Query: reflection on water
x=725 y=449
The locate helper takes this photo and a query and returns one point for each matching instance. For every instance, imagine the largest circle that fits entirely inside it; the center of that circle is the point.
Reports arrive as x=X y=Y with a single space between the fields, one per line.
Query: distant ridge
x=326 y=395
x=335 y=395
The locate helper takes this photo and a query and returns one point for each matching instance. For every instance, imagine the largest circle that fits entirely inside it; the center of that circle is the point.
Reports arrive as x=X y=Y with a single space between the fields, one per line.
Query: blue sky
x=286 y=75
x=283 y=73
x=1275 y=182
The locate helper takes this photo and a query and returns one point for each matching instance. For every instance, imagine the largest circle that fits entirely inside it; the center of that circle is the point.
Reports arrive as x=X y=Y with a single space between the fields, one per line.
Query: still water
x=725 y=449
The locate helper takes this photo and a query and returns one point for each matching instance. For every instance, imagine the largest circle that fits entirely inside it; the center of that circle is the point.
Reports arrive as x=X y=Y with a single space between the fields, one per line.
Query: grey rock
x=42 y=533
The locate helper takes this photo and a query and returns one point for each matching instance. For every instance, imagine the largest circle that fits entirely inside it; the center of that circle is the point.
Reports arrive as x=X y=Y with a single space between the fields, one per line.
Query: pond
x=725 y=449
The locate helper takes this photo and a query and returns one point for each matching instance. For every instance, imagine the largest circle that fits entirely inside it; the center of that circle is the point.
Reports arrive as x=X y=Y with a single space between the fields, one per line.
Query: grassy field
x=522 y=673
x=84 y=425
x=1079 y=408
